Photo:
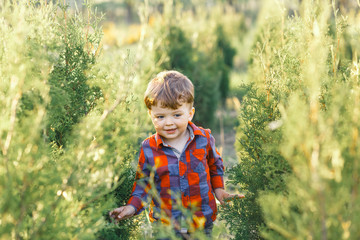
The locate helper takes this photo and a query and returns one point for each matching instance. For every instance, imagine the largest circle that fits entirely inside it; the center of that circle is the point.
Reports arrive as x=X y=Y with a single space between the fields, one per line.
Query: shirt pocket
x=198 y=160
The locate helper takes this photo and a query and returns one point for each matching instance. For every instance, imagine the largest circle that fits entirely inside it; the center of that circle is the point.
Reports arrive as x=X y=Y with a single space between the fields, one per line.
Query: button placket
x=183 y=181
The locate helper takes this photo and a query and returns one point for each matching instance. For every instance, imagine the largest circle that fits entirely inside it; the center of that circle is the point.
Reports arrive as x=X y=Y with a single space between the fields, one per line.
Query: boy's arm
x=122 y=213
x=141 y=185
x=216 y=165
x=139 y=192
x=223 y=196
x=217 y=172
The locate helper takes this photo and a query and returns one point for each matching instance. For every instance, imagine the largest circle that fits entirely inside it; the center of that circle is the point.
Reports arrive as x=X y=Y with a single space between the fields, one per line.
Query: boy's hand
x=122 y=213
x=222 y=195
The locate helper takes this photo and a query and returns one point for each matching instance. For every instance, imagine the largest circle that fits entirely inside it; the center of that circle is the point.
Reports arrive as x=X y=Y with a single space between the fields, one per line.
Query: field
x=277 y=82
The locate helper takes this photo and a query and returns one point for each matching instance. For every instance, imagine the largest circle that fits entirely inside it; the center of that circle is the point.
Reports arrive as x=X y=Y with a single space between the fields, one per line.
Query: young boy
x=180 y=159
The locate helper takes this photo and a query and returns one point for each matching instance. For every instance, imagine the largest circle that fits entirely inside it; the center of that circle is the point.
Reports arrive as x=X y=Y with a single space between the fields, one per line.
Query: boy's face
x=171 y=124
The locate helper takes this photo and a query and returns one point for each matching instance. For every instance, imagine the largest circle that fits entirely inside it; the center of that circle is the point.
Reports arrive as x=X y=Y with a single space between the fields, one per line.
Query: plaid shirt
x=189 y=177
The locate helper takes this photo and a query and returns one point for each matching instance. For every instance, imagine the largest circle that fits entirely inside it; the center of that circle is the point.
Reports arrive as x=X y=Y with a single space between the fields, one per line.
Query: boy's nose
x=168 y=121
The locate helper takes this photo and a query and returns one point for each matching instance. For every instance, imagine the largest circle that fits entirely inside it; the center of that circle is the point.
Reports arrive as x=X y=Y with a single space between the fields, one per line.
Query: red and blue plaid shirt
x=189 y=177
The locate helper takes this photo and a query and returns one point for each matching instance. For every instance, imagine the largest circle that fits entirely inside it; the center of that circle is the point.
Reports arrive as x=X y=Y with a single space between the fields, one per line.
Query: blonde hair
x=169 y=88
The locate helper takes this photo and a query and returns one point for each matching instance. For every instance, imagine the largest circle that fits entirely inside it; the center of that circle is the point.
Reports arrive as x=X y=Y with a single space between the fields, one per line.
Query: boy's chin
x=169 y=136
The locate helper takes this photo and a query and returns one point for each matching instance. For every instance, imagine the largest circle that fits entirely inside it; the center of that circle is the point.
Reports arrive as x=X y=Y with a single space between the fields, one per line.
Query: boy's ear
x=149 y=112
x=192 y=112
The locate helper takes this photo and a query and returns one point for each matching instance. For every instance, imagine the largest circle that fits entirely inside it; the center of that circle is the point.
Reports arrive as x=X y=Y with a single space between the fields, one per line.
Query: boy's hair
x=171 y=89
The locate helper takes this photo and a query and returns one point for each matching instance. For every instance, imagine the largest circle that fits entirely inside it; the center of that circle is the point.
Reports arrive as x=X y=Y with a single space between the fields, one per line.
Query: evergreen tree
x=226 y=58
x=261 y=166
x=296 y=164
x=320 y=141
x=207 y=65
x=178 y=53
x=50 y=81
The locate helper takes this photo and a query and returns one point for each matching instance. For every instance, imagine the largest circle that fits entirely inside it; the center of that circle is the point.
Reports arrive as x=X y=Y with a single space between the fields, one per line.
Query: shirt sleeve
x=141 y=185
x=215 y=164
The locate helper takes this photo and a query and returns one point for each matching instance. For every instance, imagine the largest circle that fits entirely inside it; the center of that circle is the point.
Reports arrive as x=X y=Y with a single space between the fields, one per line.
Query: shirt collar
x=193 y=129
x=196 y=129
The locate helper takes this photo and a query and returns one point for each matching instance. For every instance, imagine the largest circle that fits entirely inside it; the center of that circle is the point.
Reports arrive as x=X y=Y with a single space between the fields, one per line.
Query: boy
x=180 y=159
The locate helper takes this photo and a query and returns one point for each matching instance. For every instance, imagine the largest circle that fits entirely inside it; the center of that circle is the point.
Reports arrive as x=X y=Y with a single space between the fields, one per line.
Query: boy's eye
x=177 y=115
x=160 y=117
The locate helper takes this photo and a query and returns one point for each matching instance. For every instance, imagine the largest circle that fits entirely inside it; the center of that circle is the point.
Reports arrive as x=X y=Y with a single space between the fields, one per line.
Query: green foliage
x=296 y=166
x=226 y=58
x=321 y=198
x=71 y=96
x=123 y=131
x=179 y=54
x=178 y=49
x=24 y=35
x=320 y=201
x=207 y=66
x=124 y=229
x=261 y=167
x=60 y=185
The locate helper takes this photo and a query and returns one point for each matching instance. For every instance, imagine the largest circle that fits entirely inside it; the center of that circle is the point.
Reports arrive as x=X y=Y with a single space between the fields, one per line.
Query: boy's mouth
x=170 y=131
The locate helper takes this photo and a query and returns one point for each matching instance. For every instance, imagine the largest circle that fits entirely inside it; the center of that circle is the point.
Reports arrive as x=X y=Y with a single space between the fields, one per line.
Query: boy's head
x=169 y=98
x=170 y=89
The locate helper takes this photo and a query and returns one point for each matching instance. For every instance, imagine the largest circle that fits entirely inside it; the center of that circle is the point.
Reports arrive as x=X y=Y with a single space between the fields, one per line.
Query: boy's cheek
x=155 y=123
x=157 y=127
